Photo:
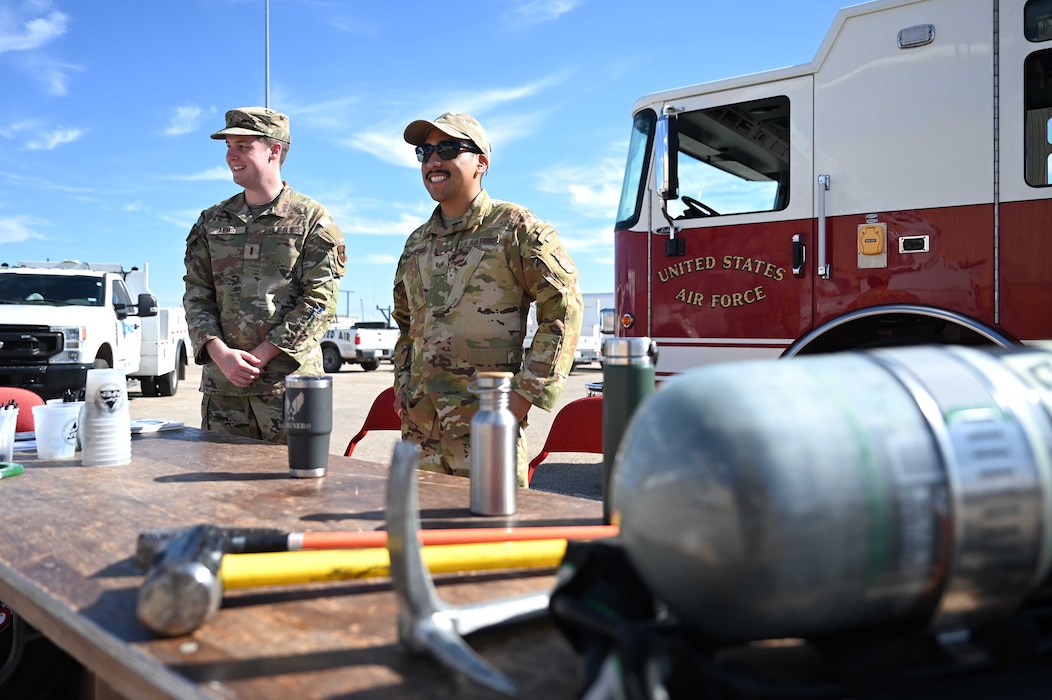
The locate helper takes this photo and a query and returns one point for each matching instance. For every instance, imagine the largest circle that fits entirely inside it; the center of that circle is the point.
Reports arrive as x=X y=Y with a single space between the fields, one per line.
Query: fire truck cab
x=895 y=190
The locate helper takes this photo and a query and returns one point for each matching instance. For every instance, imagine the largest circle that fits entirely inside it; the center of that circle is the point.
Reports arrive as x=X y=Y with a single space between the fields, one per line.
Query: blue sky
x=107 y=107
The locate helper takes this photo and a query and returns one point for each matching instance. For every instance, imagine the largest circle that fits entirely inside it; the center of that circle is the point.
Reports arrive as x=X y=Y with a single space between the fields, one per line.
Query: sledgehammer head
x=182 y=588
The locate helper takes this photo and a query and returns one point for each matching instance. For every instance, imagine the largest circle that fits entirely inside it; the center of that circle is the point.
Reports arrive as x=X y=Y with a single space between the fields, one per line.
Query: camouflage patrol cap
x=255 y=121
x=461 y=126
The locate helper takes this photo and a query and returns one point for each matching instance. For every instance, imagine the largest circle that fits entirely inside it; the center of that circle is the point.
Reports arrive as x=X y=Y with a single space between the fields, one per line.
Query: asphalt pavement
x=573 y=473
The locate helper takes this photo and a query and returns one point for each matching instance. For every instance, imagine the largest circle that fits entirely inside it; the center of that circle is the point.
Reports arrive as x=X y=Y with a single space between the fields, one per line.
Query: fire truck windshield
x=631 y=203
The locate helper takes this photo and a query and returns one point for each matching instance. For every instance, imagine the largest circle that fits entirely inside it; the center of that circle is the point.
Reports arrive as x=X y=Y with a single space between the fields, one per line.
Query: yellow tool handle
x=308 y=566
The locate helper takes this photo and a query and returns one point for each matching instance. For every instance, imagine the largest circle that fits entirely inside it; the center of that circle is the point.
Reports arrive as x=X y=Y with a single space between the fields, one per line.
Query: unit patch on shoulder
x=564 y=261
x=341 y=254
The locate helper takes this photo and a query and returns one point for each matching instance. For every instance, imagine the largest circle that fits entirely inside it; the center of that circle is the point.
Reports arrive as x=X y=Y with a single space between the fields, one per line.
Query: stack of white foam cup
x=105 y=426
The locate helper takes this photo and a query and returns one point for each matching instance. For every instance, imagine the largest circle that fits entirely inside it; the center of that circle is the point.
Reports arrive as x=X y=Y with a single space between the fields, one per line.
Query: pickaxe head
x=425 y=623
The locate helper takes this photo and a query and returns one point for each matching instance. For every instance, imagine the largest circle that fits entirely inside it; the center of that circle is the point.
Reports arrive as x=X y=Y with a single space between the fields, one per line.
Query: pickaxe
x=425 y=622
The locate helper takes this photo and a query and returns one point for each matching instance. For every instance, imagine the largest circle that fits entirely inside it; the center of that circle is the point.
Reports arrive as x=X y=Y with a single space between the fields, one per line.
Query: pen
x=8 y=469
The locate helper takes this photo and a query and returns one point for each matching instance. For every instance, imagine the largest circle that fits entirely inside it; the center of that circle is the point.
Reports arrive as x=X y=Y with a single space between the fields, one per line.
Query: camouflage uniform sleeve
x=320 y=267
x=403 y=357
x=199 y=299
x=550 y=277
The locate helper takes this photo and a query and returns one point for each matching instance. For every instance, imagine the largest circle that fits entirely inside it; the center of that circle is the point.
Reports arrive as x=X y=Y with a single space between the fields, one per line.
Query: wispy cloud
x=537 y=11
x=55 y=76
x=11 y=130
x=595 y=243
x=386 y=141
x=187 y=119
x=19 y=228
x=17 y=34
x=182 y=220
x=51 y=141
x=594 y=190
x=220 y=172
x=134 y=207
x=352 y=224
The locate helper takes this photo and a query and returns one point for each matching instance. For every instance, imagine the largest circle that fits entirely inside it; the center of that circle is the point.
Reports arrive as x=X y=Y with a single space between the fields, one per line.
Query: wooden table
x=67 y=541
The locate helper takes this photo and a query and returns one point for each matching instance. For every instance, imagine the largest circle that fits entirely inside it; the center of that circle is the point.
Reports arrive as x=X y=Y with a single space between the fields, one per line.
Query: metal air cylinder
x=802 y=497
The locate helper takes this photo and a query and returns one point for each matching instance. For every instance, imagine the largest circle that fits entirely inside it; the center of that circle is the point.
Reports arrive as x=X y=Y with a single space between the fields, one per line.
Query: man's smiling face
x=247 y=158
x=452 y=182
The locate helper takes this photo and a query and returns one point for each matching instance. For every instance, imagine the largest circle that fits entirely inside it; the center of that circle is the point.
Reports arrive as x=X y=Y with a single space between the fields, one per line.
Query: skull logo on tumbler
x=308 y=423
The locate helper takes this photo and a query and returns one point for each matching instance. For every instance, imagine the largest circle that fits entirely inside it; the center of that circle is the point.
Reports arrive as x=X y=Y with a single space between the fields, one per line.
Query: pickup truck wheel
x=330 y=359
x=370 y=365
x=148 y=386
x=167 y=384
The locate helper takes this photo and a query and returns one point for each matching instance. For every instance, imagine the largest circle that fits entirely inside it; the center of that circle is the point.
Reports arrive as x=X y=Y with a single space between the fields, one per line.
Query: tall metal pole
x=266 y=89
x=347 y=301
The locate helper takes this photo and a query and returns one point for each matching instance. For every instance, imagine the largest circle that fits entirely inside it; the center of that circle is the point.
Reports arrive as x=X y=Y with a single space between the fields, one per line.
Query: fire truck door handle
x=799 y=254
x=823 y=263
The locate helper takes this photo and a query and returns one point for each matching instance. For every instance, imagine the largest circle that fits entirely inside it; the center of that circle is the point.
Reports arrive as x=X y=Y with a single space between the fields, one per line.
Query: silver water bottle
x=494 y=432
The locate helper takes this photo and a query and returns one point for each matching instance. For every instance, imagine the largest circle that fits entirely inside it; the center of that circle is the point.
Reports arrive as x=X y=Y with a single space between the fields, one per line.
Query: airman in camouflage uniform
x=262 y=280
x=463 y=289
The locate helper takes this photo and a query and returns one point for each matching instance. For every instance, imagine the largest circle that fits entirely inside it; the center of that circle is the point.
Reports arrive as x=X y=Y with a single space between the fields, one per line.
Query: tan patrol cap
x=460 y=126
x=256 y=121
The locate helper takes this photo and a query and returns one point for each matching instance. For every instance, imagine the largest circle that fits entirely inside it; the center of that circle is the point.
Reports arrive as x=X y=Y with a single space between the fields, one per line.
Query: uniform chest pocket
x=275 y=253
x=415 y=287
x=461 y=275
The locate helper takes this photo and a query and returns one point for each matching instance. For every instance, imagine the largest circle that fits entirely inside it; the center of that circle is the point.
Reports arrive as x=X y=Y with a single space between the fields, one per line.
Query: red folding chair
x=577 y=427
x=381 y=416
x=25 y=399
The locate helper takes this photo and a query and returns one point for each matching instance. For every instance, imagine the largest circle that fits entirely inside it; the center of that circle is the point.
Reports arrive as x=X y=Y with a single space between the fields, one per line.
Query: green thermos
x=628 y=378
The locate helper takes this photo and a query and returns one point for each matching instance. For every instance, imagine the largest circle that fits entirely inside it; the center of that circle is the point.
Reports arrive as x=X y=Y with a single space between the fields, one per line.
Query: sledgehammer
x=242 y=540
x=184 y=586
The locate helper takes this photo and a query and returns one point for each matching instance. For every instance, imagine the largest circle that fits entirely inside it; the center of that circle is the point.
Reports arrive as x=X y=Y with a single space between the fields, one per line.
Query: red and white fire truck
x=895 y=190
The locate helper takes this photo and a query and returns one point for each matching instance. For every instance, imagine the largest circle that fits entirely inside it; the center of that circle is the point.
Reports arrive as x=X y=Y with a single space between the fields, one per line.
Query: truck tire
x=330 y=359
x=370 y=365
x=167 y=384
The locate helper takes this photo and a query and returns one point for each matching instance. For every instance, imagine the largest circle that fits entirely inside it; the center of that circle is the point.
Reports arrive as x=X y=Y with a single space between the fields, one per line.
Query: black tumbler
x=308 y=423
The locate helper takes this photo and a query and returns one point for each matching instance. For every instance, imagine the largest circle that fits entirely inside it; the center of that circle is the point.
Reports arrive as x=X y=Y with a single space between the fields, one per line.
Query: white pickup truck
x=366 y=343
x=60 y=319
x=590 y=344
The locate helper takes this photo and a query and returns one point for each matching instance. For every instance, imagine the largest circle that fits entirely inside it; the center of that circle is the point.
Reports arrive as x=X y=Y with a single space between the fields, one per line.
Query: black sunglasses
x=446 y=150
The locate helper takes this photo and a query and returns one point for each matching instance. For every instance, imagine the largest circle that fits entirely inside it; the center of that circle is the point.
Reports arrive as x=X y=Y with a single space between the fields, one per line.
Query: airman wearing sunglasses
x=462 y=294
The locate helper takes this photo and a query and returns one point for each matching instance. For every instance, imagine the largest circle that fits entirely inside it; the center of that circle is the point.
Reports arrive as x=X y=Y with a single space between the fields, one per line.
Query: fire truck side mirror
x=666 y=146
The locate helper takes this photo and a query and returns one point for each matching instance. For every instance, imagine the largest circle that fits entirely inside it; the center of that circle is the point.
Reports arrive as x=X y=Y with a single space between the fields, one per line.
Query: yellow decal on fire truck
x=722 y=300
x=729 y=262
